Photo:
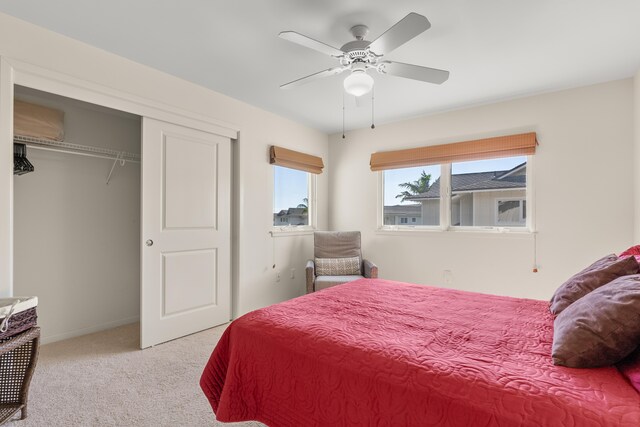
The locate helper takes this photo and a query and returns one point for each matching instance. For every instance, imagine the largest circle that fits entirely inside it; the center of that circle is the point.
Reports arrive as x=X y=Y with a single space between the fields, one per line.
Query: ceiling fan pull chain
x=343 y=137
x=373 y=98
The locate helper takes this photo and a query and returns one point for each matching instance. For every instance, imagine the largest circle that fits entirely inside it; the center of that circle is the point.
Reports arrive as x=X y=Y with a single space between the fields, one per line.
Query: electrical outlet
x=293 y=273
x=277 y=276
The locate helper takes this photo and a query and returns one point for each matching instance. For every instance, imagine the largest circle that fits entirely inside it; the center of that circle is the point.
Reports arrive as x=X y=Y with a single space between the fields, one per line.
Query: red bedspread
x=376 y=352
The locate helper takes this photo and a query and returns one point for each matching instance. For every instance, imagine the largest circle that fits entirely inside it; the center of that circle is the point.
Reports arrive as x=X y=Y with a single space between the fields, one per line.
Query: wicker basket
x=18 y=357
x=20 y=322
x=17 y=315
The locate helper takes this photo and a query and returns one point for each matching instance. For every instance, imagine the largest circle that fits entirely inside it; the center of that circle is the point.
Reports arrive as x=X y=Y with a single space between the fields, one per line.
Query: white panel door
x=186 y=231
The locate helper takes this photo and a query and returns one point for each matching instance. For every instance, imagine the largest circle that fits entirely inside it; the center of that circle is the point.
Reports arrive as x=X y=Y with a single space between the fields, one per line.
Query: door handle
x=149 y=242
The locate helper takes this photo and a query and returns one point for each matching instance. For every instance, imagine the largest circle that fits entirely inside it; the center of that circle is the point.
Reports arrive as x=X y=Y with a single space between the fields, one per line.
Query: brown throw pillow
x=601 y=328
x=597 y=274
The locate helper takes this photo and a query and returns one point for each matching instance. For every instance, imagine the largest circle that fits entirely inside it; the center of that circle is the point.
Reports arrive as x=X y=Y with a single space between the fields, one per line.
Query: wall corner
x=636 y=158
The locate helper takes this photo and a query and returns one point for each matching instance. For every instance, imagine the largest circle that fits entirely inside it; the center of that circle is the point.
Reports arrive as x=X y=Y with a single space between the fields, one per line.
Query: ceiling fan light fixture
x=358 y=83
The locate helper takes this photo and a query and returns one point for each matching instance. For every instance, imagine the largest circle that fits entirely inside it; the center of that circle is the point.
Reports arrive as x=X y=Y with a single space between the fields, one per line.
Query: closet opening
x=76 y=218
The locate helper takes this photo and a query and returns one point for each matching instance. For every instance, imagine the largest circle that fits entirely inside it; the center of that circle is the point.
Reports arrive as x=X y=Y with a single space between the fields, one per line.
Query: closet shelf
x=86 y=150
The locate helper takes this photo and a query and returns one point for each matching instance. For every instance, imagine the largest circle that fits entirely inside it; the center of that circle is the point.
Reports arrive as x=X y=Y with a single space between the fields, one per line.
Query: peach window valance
x=523 y=144
x=295 y=160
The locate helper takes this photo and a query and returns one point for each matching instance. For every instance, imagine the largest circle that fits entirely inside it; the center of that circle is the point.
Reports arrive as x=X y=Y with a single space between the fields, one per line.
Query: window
x=489 y=193
x=292 y=197
x=511 y=212
x=411 y=192
x=475 y=194
x=450 y=186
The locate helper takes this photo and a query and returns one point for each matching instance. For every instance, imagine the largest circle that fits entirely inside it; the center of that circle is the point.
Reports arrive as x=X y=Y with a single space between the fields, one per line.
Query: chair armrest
x=370 y=269
x=310 y=270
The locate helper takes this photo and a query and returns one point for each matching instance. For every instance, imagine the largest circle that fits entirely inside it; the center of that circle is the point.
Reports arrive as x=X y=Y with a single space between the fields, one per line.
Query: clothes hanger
x=21 y=164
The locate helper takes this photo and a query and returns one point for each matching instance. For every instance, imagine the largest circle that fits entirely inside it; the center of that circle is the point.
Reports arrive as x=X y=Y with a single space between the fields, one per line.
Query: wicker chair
x=337 y=244
x=18 y=356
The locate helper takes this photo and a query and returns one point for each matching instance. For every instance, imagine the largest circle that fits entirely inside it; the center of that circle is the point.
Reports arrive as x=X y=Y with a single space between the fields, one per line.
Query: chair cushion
x=338 y=266
x=336 y=244
x=323 y=282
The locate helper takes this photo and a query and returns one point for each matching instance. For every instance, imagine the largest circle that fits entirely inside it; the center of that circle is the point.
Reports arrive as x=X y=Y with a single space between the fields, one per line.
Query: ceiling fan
x=360 y=55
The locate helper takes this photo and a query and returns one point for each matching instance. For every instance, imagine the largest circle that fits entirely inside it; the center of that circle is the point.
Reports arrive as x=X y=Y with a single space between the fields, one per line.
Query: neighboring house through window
x=395 y=214
x=484 y=193
x=400 y=185
x=480 y=183
x=511 y=211
x=292 y=201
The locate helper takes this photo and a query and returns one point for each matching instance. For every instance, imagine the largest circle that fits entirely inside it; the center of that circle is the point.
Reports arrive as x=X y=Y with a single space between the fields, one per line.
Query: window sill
x=291 y=231
x=416 y=231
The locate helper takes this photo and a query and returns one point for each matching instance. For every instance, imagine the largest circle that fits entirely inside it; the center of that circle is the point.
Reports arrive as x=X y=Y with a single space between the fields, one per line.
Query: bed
x=377 y=352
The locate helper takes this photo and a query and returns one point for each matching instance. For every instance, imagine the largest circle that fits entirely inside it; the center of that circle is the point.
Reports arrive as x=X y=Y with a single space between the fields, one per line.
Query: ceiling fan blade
x=415 y=72
x=305 y=41
x=315 y=76
x=403 y=31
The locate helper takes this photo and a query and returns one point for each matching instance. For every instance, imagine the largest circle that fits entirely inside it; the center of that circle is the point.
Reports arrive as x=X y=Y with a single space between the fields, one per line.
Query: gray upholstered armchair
x=337 y=259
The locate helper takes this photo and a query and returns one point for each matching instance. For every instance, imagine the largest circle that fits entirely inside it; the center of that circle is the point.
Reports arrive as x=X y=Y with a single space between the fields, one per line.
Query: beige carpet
x=103 y=379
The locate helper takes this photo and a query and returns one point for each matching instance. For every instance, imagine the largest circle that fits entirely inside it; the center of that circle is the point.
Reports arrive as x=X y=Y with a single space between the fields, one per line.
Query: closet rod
x=79 y=153
x=84 y=150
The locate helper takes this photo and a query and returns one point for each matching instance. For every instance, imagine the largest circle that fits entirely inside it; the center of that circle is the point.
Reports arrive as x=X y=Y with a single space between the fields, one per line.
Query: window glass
x=511 y=212
x=412 y=193
x=489 y=193
x=290 y=197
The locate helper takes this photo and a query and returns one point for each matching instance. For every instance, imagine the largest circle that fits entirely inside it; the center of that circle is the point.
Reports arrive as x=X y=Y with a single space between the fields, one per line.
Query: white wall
x=258 y=129
x=76 y=239
x=584 y=162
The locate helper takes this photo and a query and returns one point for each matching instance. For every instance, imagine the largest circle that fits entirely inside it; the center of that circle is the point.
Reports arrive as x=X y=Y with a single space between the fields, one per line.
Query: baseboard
x=91 y=329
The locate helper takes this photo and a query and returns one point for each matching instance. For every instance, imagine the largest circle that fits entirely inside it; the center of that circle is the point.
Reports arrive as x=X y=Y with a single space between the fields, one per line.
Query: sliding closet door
x=186 y=231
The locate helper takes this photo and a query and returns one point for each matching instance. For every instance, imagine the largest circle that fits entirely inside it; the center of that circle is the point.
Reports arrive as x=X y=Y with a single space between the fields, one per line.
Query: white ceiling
x=494 y=49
